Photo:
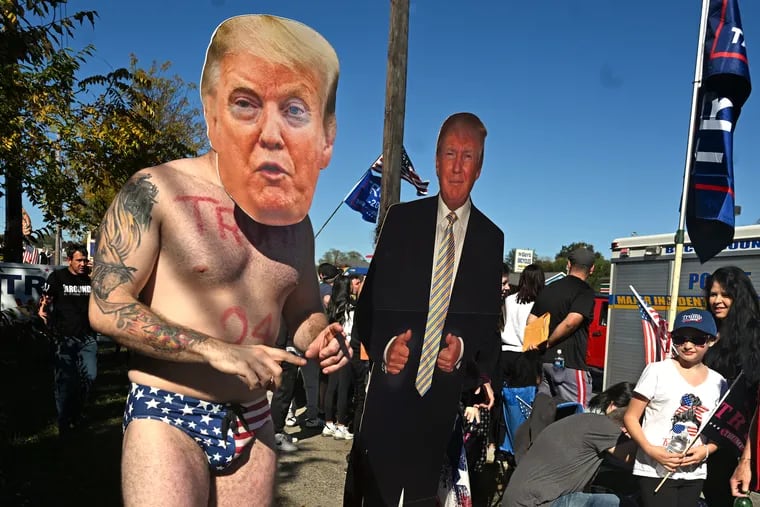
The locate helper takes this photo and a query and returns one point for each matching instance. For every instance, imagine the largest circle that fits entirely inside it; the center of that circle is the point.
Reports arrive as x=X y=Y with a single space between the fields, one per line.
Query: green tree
x=37 y=79
x=71 y=144
x=566 y=249
x=341 y=259
x=601 y=272
x=141 y=118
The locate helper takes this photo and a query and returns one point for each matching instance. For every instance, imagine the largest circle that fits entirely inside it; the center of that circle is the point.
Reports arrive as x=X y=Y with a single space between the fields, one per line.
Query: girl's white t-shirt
x=514 y=324
x=674 y=406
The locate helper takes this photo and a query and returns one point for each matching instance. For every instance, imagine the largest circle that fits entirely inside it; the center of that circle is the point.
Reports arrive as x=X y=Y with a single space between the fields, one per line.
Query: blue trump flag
x=365 y=197
x=725 y=87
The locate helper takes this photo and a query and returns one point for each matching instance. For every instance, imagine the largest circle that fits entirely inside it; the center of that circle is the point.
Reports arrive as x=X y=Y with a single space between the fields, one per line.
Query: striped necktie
x=438 y=306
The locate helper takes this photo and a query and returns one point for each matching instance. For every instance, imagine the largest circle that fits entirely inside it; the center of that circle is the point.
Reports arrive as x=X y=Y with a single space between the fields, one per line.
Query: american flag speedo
x=656 y=335
x=221 y=430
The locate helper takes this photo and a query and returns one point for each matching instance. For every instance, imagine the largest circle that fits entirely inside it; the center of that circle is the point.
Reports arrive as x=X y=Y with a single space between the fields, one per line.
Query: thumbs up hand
x=449 y=355
x=398 y=353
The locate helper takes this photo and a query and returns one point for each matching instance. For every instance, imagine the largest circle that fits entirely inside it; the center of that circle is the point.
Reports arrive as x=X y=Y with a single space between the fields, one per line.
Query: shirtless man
x=199 y=259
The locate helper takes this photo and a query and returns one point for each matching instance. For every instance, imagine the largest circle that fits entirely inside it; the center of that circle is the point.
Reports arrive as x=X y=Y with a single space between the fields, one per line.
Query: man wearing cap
x=202 y=316
x=327 y=274
x=570 y=302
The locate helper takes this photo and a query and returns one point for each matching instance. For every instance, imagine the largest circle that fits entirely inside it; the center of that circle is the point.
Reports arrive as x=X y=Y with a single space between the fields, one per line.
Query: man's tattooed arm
x=126 y=242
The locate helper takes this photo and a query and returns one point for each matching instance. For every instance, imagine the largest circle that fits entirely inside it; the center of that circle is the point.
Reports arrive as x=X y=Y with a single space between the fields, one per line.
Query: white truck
x=646 y=263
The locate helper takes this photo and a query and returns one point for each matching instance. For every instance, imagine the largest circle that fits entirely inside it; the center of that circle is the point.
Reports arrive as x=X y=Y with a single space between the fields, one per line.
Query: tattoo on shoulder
x=120 y=234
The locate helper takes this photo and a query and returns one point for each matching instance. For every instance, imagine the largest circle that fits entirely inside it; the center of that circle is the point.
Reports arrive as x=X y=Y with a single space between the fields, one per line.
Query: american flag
x=688 y=415
x=407 y=172
x=30 y=255
x=656 y=334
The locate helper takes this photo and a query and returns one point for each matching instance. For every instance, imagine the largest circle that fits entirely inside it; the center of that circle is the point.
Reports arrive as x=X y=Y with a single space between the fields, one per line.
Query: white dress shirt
x=460 y=230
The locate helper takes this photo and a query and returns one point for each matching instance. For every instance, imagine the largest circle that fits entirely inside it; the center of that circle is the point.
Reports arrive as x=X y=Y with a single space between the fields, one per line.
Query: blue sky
x=586 y=103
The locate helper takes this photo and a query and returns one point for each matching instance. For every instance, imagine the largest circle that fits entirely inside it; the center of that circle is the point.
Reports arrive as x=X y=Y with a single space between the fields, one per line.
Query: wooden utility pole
x=395 y=107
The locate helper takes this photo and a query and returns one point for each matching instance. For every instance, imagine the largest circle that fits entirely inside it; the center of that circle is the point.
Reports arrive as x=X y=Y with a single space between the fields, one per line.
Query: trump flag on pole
x=365 y=197
x=725 y=87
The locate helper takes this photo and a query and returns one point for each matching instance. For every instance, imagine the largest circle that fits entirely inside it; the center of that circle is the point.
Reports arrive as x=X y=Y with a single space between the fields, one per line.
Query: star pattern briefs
x=221 y=430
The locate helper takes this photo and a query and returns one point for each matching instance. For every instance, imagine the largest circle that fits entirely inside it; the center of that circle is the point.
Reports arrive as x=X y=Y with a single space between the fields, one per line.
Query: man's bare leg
x=162 y=466
x=250 y=480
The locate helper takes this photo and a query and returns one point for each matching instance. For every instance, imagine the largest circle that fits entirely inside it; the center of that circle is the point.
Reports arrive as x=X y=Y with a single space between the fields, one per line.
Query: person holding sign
x=570 y=302
x=199 y=260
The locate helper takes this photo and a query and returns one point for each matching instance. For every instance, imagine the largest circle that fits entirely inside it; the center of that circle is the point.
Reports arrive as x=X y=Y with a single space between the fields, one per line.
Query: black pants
x=283 y=396
x=720 y=467
x=311 y=374
x=507 y=360
x=360 y=370
x=338 y=387
x=674 y=493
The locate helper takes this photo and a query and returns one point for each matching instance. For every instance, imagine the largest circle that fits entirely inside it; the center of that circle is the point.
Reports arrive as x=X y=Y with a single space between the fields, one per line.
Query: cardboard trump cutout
x=399 y=451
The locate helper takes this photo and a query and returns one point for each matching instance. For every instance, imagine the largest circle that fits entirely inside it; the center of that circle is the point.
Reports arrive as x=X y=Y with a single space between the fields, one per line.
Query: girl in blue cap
x=675 y=396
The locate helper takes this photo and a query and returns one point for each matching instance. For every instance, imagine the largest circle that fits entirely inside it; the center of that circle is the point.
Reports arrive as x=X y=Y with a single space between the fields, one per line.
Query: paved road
x=314 y=475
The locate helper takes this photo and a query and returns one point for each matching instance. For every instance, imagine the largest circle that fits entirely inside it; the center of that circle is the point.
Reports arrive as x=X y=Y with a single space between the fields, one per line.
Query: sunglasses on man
x=699 y=340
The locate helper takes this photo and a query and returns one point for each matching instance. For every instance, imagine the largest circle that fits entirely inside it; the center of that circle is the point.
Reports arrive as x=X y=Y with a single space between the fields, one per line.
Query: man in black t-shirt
x=570 y=302
x=64 y=306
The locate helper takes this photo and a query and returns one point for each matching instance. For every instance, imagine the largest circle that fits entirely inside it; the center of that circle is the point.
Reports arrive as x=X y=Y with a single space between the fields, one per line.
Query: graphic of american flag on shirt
x=688 y=416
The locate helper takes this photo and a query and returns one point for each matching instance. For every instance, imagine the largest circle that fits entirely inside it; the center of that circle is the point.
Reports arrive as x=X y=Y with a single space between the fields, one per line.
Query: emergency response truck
x=646 y=263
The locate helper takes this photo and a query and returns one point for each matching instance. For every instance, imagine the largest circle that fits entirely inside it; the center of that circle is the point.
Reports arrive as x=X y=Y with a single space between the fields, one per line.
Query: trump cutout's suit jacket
x=403 y=437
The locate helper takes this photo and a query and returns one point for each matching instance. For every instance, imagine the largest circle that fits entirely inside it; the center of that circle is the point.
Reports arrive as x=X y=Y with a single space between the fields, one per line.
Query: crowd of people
x=409 y=363
x=329 y=403
x=640 y=431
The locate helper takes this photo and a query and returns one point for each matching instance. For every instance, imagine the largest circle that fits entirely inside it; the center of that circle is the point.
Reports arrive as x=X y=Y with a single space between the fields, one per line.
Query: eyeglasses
x=699 y=340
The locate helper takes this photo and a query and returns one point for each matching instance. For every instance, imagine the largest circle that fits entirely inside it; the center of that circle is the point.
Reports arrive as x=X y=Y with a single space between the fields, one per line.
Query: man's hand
x=258 y=366
x=331 y=348
x=489 y=396
x=398 y=353
x=741 y=478
x=449 y=355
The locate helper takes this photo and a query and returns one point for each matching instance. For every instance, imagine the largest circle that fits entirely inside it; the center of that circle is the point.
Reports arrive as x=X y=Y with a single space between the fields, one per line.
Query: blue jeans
x=75 y=366
x=587 y=500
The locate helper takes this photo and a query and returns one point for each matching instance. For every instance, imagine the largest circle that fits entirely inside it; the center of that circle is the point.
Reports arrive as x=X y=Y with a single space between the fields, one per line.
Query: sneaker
x=284 y=443
x=290 y=420
x=313 y=423
x=341 y=433
x=328 y=430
